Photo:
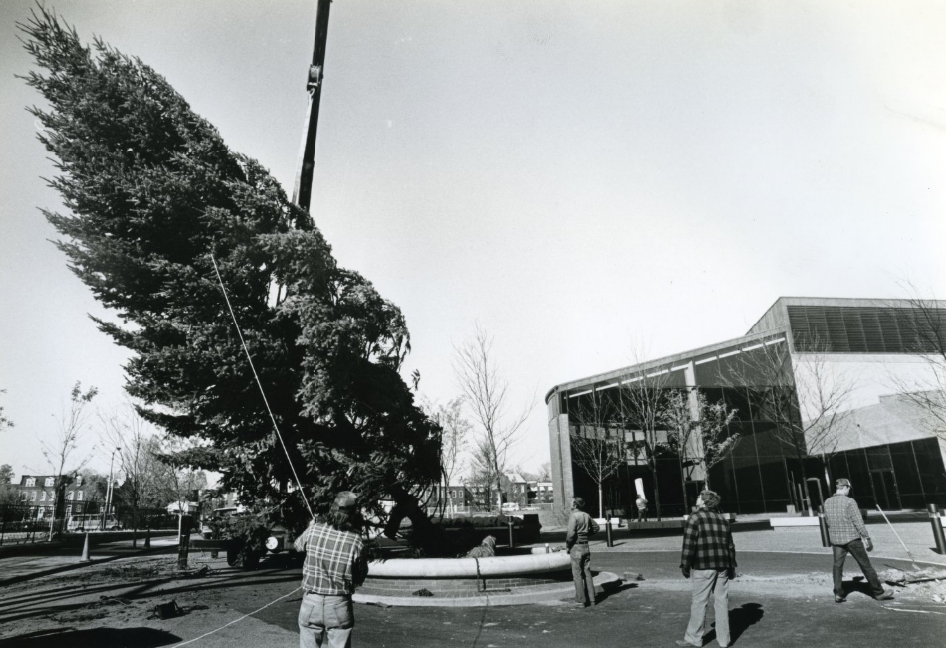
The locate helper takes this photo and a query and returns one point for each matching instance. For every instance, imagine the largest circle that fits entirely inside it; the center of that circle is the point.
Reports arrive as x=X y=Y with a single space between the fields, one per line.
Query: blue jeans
x=321 y=617
x=856 y=549
x=581 y=574
x=706 y=582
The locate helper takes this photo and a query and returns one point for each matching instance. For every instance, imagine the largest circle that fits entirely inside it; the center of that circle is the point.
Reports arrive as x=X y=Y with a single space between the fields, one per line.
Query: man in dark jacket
x=580 y=527
x=709 y=560
x=849 y=536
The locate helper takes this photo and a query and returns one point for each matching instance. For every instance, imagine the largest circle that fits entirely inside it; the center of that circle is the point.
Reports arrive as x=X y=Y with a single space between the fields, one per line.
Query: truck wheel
x=237 y=558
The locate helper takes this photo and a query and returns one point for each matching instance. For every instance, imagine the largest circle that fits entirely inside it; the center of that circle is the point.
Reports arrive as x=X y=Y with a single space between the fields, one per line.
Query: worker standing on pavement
x=849 y=536
x=709 y=560
x=581 y=526
x=335 y=564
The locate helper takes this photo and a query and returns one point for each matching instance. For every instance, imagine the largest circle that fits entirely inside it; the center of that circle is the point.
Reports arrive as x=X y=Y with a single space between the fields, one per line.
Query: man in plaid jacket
x=849 y=536
x=709 y=560
x=335 y=564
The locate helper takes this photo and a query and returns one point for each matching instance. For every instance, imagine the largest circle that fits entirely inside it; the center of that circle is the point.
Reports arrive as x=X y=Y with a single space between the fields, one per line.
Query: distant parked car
x=92 y=522
x=510 y=506
x=219 y=515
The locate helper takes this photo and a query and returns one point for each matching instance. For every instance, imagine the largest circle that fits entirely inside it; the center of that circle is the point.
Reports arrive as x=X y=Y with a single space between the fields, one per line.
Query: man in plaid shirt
x=709 y=559
x=849 y=536
x=335 y=564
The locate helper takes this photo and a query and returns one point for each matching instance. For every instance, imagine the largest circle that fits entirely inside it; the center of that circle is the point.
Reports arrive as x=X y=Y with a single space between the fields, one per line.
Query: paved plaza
x=782 y=598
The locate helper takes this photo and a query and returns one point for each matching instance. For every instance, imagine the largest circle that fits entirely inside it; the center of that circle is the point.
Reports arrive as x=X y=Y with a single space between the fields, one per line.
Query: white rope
x=207 y=634
x=914 y=611
x=262 y=391
x=912 y=559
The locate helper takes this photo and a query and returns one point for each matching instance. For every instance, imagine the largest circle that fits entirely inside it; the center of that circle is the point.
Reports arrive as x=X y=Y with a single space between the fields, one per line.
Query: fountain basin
x=497 y=580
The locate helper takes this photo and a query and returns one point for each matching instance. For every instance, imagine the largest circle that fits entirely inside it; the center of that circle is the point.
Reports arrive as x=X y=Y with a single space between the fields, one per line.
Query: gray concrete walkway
x=23 y=567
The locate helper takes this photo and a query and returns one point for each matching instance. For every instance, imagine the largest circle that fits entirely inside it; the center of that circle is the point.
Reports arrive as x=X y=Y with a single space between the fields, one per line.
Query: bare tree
x=8 y=492
x=175 y=482
x=487 y=393
x=927 y=394
x=454 y=433
x=60 y=451
x=698 y=431
x=597 y=442
x=805 y=401
x=641 y=397
x=823 y=392
x=137 y=449
x=4 y=421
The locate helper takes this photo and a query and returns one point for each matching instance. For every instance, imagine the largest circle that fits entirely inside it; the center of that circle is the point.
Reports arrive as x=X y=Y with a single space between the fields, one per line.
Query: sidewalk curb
x=605 y=580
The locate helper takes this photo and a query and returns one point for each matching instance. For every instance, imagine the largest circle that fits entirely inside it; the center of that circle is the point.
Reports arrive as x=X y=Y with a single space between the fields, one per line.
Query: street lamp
x=108 y=489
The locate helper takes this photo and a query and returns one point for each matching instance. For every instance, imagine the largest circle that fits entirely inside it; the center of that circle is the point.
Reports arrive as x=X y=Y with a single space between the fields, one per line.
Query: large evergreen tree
x=151 y=191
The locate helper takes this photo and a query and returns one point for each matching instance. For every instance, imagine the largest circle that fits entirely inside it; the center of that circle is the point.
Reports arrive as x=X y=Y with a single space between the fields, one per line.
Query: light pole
x=108 y=489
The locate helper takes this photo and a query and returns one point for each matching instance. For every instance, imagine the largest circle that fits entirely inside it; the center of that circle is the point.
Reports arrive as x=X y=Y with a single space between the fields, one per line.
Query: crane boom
x=302 y=192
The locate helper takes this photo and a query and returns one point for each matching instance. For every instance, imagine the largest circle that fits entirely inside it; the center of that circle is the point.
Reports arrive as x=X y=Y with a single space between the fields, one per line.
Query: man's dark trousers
x=581 y=574
x=856 y=549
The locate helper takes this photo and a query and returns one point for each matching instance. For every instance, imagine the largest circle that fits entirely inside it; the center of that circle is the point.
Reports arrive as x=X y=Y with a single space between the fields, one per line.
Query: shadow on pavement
x=611 y=591
x=740 y=619
x=95 y=638
x=69 y=599
x=858 y=585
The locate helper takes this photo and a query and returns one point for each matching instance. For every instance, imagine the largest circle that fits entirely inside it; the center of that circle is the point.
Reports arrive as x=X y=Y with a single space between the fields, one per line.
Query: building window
x=79 y=480
x=44 y=497
x=70 y=495
x=68 y=510
x=24 y=496
x=50 y=481
x=80 y=496
x=33 y=496
x=31 y=482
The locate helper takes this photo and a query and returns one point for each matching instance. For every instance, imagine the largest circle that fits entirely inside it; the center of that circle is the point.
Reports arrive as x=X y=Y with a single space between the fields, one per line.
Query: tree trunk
x=600 y=502
x=653 y=471
x=683 y=486
x=425 y=534
x=804 y=481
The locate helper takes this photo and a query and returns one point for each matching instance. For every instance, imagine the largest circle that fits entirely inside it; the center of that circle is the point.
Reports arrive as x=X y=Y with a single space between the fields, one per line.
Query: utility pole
x=302 y=193
x=108 y=490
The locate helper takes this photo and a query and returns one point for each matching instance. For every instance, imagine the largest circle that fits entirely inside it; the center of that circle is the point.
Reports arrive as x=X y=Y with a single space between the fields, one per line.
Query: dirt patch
x=927 y=585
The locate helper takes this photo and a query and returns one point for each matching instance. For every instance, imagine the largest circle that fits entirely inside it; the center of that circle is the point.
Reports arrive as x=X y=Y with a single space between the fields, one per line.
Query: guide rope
x=260 y=384
x=249 y=614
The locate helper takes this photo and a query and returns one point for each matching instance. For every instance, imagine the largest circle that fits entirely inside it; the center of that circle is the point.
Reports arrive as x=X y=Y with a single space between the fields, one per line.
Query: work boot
x=839 y=599
x=886 y=596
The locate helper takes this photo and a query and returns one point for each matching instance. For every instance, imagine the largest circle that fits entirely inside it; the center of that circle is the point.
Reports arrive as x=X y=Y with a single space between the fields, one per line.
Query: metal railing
x=31 y=523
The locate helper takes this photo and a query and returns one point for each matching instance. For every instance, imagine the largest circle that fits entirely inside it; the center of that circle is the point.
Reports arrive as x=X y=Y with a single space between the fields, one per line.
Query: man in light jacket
x=580 y=527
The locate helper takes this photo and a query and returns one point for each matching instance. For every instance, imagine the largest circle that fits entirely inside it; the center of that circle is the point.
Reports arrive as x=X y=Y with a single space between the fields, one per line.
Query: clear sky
x=581 y=178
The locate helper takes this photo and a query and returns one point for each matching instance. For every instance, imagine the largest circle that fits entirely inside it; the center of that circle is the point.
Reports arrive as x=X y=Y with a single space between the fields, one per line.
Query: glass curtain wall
x=757 y=477
x=907 y=475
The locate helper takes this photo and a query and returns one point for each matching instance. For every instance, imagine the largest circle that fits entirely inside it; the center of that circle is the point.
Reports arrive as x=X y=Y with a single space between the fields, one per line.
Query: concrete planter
x=495 y=566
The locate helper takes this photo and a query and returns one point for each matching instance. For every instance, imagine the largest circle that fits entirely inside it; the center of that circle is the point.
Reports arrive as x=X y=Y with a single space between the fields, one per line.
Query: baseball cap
x=842 y=483
x=346 y=499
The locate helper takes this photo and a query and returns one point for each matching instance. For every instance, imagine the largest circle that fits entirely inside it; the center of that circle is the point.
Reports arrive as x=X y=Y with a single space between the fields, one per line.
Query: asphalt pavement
x=782 y=597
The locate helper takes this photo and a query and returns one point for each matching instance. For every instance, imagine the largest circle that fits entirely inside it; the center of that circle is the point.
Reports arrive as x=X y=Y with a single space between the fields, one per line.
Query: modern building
x=818 y=389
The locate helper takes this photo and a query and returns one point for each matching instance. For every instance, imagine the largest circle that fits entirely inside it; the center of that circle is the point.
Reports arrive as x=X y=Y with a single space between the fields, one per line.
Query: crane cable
x=262 y=391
